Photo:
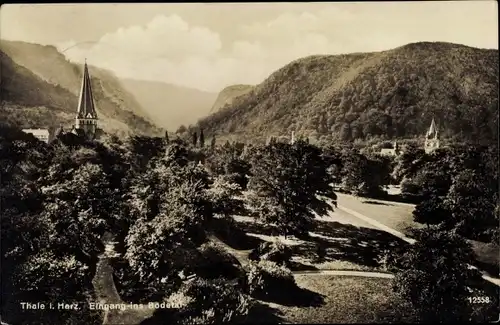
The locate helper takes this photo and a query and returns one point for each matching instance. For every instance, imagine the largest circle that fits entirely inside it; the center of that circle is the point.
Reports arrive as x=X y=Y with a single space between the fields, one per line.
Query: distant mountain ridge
x=390 y=94
x=41 y=89
x=228 y=95
x=170 y=105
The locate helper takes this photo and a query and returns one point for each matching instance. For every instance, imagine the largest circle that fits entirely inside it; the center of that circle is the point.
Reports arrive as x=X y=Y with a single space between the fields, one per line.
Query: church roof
x=79 y=132
x=432 y=129
x=86 y=107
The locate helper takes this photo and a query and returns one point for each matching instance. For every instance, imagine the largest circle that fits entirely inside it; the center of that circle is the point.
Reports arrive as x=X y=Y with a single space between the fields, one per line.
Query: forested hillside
x=389 y=94
x=36 y=101
x=41 y=89
x=228 y=95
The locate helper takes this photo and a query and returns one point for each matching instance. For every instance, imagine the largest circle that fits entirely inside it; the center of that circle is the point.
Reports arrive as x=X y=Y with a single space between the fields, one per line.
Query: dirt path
x=365 y=274
x=108 y=297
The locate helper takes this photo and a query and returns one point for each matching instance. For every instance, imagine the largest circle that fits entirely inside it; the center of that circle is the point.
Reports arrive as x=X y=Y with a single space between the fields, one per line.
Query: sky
x=213 y=45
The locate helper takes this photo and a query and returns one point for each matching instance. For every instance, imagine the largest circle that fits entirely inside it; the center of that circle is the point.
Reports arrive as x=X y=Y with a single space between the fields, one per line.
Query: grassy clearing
x=332 y=245
x=400 y=218
x=487 y=256
x=396 y=216
x=344 y=300
x=347 y=247
x=336 y=265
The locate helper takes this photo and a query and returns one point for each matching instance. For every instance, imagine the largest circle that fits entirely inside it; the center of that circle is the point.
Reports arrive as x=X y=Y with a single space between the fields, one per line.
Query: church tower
x=431 y=138
x=86 y=116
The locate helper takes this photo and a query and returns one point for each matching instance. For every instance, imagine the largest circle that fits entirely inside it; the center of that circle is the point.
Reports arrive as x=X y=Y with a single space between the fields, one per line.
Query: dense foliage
x=229 y=161
x=433 y=277
x=56 y=202
x=457 y=188
x=275 y=252
x=288 y=182
x=59 y=200
x=265 y=277
x=390 y=94
x=163 y=202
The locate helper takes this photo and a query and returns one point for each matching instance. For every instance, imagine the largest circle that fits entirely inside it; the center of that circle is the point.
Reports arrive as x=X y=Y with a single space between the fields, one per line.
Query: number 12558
x=479 y=300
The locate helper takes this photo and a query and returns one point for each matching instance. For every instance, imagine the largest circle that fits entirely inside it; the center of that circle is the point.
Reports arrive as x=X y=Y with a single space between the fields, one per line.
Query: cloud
x=170 y=49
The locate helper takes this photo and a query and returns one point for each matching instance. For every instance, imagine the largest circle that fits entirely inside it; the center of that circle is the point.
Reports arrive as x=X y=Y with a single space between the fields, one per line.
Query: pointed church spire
x=86 y=108
x=431 y=138
x=432 y=129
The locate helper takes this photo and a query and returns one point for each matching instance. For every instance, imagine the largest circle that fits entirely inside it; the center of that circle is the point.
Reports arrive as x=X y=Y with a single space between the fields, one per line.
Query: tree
x=195 y=138
x=171 y=214
x=202 y=138
x=228 y=161
x=182 y=129
x=431 y=211
x=222 y=193
x=434 y=275
x=362 y=175
x=408 y=163
x=472 y=200
x=345 y=132
x=213 y=142
x=286 y=181
x=353 y=168
x=166 y=137
x=333 y=158
x=141 y=149
x=432 y=182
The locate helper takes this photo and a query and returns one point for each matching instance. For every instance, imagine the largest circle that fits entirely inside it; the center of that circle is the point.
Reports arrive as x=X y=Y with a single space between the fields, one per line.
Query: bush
x=275 y=252
x=215 y=263
x=211 y=302
x=409 y=188
x=392 y=260
x=264 y=277
x=431 y=211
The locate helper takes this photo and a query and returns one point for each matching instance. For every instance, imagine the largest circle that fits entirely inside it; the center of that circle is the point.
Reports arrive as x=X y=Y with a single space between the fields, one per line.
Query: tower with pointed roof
x=86 y=116
x=431 y=138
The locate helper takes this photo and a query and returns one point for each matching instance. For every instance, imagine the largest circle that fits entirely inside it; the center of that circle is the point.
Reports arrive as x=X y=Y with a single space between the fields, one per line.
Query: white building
x=394 y=151
x=40 y=134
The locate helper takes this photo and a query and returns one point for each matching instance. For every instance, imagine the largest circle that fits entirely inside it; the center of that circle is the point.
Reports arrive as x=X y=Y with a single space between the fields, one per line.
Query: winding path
x=107 y=295
x=365 y=274
x=398 y=234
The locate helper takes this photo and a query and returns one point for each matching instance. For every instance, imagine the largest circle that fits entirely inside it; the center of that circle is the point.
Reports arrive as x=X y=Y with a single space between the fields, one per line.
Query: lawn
x=399 y=217
x=394 y=215
x=343 y=300
x=332 y=245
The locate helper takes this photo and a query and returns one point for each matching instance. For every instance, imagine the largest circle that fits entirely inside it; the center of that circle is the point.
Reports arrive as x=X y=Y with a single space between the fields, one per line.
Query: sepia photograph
x=249 y=163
